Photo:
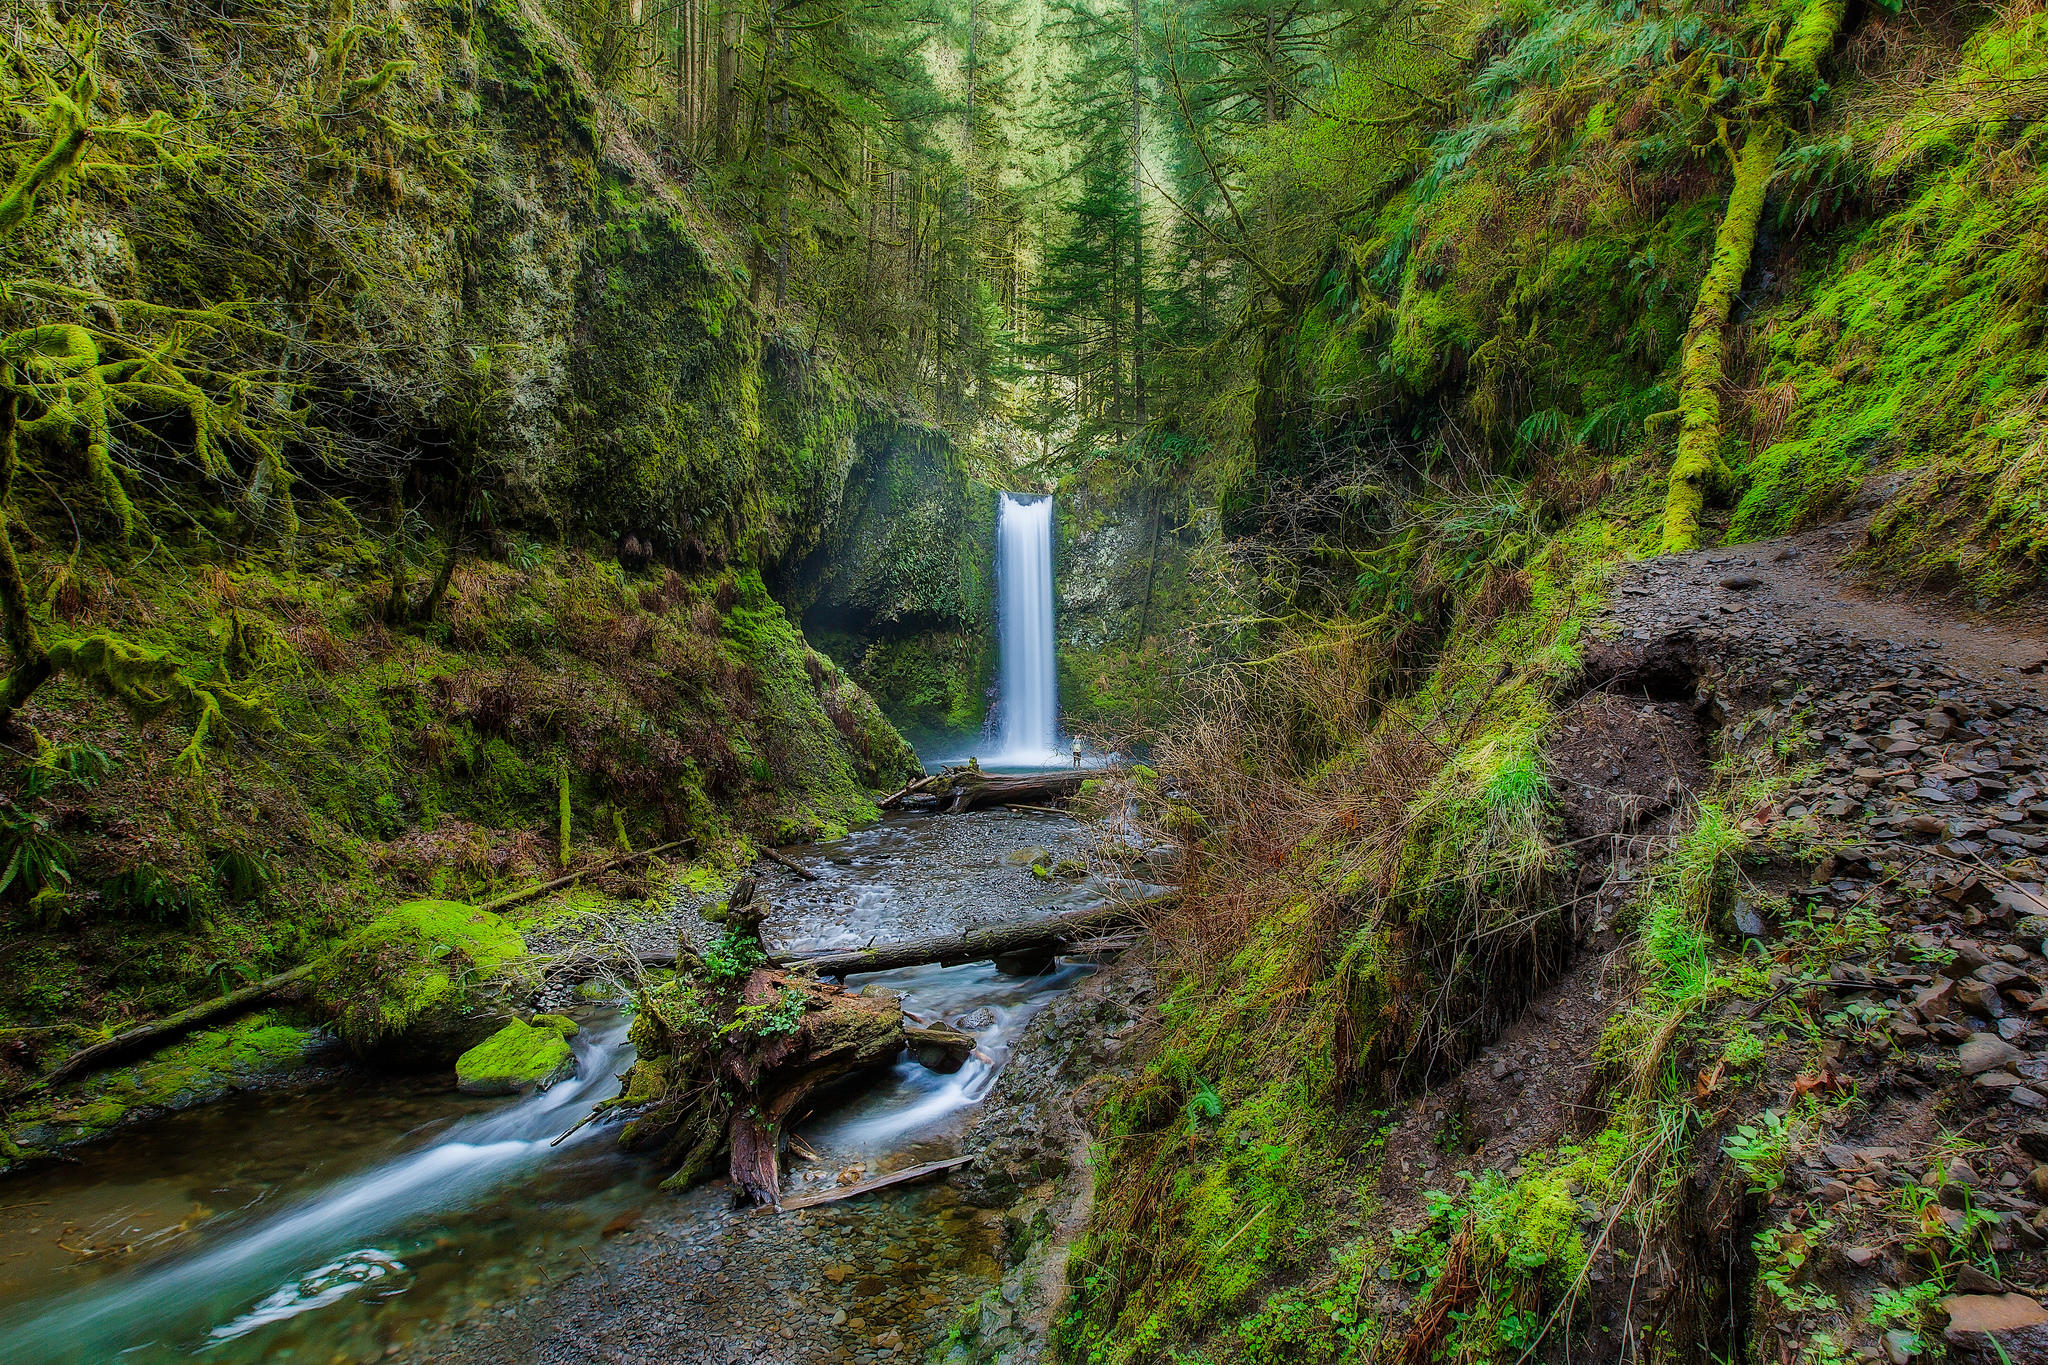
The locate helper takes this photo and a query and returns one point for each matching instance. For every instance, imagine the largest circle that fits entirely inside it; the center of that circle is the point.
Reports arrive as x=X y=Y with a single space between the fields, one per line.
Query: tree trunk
x=1052 y=934
x=1698 y=469
x=730 y=34
x=1137 y=222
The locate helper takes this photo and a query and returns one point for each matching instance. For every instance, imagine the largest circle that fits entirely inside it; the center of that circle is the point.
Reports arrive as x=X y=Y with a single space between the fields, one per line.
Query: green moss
x=254 y=1051
x=518 y=1057
x=418 y=983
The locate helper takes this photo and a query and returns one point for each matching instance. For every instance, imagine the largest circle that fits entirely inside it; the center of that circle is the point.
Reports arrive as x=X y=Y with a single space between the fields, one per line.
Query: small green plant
x=1908 y=1309
x=1743 y=1051
x=36 y=857
x=1782 y=1254
x=768 y=1019
x=144 y=892
x=241 y=877
x=732 y=957
x=1760 y=1149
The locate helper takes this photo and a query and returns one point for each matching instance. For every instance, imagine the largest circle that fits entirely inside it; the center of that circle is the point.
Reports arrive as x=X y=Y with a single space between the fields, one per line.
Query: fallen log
x=784 y=860
x=965 y=789
x=722 y=1067
x=880 y=1182
x=149 y=1037
x=895 y=798
x=723 y=1064
x=1050 y=934
x=511 y=898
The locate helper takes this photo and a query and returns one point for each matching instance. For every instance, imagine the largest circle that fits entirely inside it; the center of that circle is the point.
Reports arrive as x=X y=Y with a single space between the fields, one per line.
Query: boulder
x=519 y=1057
x=422 y=983
x=2015 y=1323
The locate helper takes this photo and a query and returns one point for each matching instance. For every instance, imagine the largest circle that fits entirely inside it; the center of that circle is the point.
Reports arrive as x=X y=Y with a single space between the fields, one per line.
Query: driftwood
x=511 y=898
x=1049 y=935
x=965 y=789
x=723 y=1065
x=895 y=798
x=784 y=860
x=147 y=1038
x=721 y=1068
x=880 y=1182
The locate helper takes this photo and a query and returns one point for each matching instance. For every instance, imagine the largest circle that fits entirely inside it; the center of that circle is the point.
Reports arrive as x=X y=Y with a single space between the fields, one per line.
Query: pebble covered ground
x=1919 y=743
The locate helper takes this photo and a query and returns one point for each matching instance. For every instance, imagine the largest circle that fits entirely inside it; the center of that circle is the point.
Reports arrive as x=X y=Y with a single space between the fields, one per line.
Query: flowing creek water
x=391 y=1218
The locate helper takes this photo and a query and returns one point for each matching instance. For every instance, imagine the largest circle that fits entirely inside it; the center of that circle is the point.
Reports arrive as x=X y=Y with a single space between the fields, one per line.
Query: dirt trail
x=1921 y=750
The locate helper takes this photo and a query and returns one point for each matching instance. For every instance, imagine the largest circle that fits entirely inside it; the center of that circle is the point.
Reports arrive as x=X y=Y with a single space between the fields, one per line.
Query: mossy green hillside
x=1529 y=256
x=425 y=761
x=519 y=1057
x=1409 y=826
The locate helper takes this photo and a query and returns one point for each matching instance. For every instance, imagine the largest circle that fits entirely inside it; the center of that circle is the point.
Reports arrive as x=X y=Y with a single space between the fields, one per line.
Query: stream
x=392 y=1218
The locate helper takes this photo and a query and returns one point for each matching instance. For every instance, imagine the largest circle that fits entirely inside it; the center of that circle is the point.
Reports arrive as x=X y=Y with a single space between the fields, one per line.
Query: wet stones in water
x=1030 y=962
x=519 y=1057
x=939 y=1047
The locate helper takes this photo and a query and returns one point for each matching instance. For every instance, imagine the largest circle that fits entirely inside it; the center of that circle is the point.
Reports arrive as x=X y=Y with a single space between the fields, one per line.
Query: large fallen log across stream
x=964 y=789
x=1052 y=934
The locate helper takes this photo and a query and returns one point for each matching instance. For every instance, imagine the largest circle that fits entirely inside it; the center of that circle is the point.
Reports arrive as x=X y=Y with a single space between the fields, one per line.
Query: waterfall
x=1028 y=709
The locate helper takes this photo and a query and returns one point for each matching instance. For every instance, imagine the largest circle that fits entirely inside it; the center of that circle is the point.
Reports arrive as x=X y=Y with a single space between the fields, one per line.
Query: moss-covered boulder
x=420 y=984
x=519 y=1057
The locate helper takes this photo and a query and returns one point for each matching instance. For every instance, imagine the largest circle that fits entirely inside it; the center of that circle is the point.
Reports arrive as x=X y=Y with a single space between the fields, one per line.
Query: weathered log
x=895 y=798
x=965 y=789
x=880 y=1182
x=147 y=1038
x=784 y=860
x=1050 y=934
x=511 y=898
x=721 y=1067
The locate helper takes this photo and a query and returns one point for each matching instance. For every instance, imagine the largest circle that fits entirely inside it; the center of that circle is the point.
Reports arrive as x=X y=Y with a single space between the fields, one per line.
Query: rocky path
x=1917 y=745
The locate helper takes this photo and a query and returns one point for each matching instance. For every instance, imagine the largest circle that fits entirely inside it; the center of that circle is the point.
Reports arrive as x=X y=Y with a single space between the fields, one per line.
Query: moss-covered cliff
x=400 y=458
x=901 y=591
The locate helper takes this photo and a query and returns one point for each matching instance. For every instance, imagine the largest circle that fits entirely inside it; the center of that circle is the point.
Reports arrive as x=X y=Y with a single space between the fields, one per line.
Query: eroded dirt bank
x=1870 y=1176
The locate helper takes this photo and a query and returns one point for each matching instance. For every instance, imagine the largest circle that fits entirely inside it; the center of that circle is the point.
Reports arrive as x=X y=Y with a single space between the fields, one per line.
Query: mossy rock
x=421 y=984
x=248 y=1054
x=519 y=1057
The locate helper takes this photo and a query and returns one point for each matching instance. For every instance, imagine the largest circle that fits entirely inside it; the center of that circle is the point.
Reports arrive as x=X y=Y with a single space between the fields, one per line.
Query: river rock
x=422 y=983
x=1986 y=1052
x=519 y=1057
x=2017 y=1323
x=939 y=1047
